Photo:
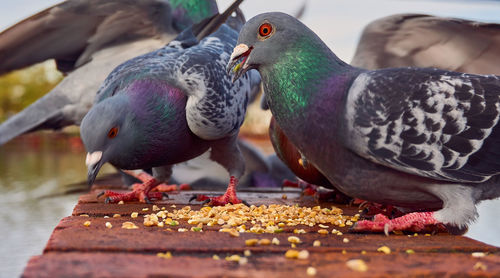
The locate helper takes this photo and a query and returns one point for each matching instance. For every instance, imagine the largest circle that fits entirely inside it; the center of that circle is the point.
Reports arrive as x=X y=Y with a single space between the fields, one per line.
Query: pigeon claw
x=411 y=222
x=229 y=197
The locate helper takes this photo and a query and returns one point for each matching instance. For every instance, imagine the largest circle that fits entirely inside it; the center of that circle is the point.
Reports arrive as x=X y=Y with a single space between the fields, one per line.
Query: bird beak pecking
x=240 y=52
x=94 y=163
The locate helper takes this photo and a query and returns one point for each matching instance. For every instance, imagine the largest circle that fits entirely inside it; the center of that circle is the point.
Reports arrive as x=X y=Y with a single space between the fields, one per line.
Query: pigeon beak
x=94 y=163
x=241 y=51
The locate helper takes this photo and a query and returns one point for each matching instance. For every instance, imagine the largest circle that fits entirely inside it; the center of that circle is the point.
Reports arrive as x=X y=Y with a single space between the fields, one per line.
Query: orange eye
x=113 y=132
x=265 y=29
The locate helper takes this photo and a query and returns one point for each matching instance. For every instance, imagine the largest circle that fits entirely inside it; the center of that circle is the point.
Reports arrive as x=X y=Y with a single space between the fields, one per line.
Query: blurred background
x=37 y=170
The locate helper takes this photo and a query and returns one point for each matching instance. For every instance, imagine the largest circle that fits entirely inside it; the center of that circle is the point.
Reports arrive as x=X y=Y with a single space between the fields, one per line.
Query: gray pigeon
x=87 y=39
x=98 y=36
x=169 y=106
x=420 y=40
x=419 y=138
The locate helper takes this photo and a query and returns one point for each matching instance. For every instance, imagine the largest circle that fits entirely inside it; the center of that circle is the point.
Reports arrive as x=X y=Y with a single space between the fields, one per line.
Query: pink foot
x=171 y=187
x=415 y=222
x=309 y=189
x=141 y=192
x=228 y=198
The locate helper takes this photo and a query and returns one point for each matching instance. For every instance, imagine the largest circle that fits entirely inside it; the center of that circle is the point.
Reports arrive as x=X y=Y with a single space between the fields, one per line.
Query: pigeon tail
x=45 y=113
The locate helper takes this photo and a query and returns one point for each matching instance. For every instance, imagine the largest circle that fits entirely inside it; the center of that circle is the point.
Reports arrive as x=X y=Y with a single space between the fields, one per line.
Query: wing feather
x=428 y=122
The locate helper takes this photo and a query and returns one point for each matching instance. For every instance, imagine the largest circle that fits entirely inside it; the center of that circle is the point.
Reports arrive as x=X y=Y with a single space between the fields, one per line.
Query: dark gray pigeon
x=420 y=40
x=419 y=138
x=87 y=39
x=169 y=106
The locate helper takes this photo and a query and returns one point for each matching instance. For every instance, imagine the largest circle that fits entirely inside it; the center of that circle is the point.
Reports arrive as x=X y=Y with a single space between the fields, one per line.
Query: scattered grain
x=357 y=265
x=311 y=271
x=384 y=249
x=129 y=225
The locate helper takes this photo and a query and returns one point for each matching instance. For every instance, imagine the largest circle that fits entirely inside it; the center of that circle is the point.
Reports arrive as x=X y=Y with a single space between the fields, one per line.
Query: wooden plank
x=75 y=250
x=78 y=264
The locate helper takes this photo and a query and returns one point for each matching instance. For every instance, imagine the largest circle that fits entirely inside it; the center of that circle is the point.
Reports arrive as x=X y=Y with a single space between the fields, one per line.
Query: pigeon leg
x=227 y=153
x=415 y=222
x=228 y=198
x=141 y=192
x=310 y=189
x=163 y=187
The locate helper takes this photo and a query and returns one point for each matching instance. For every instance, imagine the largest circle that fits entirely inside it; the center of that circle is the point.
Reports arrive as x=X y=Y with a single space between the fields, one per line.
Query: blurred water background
x=37 y=171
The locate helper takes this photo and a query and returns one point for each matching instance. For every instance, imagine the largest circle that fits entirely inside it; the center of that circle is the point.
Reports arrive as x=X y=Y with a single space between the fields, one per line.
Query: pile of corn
x=256 y=219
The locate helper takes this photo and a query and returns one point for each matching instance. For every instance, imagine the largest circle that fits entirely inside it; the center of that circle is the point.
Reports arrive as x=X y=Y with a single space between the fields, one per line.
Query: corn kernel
x=292 y=254
x=323 y=231
x=264 y=241
x=304 y=254
x=357 y=265
x=86 y=223
x=311 y=271
x=384 y=249
x=317 y=243
x=275 y=241
x=134 y=214
x=108 y=225
x=129 y=225
x=480 y=266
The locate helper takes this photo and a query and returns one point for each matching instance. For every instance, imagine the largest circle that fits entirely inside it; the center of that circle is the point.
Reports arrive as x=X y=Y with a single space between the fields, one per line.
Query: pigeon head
x=264 y=40
x=107 y=134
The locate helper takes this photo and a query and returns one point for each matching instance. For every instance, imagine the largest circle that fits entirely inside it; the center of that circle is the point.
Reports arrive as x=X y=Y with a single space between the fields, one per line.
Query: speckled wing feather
x=429 y=41
x=216 y=107
x=427 y=122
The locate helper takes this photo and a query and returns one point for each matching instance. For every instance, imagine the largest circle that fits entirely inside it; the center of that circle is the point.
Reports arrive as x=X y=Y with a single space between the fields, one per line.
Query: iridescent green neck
x=299 y=74
x=194 y=10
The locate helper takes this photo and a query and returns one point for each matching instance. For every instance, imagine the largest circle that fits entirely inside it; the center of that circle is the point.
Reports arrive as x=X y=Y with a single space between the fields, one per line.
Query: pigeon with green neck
x=422 y=139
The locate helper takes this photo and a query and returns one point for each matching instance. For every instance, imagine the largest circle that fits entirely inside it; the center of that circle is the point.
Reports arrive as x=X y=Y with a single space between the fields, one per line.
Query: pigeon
x=423 y=139
x=405 y=40
x=169 y=106
x=87 y=39
x=421 y=40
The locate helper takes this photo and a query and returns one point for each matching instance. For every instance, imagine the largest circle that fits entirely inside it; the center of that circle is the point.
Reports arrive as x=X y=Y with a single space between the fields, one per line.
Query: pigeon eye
x=265 y=29
x=113 y=132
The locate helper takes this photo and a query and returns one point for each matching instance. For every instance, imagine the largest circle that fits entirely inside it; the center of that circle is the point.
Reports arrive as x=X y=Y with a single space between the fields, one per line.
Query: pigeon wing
x=428 y=122
x=428 y=41
x=70 y=32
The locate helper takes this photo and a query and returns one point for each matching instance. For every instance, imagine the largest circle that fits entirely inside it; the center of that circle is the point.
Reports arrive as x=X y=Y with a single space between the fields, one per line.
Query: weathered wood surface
x=74 y=250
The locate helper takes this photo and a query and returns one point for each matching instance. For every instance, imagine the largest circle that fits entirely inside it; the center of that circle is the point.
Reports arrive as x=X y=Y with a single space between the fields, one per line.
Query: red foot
x=415 y=222
x=172 y=187
x=141 y=192
x=310 y=189
x=228 y=198
x=307 y=188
